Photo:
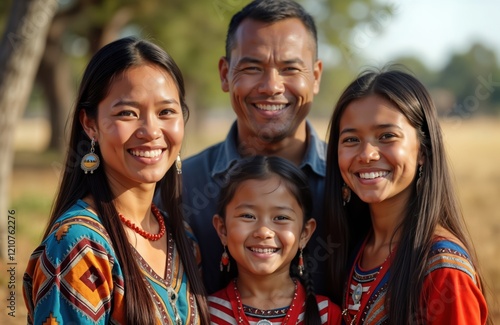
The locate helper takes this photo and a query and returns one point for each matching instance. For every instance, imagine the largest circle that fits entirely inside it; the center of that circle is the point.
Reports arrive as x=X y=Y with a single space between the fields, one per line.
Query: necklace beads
x=144 y=233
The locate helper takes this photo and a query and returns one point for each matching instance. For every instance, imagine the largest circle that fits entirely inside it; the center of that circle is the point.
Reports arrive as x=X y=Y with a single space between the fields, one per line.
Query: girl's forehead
x=271 y=182
x=269 y=191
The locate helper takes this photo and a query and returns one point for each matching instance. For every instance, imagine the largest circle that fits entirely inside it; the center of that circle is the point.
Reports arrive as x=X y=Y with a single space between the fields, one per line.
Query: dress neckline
x=290 y=317
x=373 y=276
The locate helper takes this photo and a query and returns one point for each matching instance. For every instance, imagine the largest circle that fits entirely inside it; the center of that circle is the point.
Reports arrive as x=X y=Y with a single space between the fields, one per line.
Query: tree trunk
x=54 y=78
x=21 y=48
x=54 y=74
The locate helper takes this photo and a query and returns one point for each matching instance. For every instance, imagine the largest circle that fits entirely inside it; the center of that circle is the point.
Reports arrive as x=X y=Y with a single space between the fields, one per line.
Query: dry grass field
x=473 y=148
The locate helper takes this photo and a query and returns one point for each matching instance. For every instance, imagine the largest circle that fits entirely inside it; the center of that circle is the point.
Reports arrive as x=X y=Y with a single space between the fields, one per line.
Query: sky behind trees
x=434 y=30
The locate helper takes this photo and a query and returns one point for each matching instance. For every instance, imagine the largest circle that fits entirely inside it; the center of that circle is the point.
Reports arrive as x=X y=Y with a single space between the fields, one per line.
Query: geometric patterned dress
x=451 y=292
x=73 y=277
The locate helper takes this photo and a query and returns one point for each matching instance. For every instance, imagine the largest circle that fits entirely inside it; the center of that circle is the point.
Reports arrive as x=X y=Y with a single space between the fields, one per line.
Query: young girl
x=390 y=191
x=109 y=256
x=264 y=221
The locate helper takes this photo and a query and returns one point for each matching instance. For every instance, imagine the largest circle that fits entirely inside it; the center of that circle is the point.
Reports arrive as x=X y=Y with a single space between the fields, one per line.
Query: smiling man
x=272 y=72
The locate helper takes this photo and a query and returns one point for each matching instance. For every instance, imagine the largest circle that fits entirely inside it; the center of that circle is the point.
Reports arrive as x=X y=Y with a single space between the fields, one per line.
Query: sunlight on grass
x=33 y=210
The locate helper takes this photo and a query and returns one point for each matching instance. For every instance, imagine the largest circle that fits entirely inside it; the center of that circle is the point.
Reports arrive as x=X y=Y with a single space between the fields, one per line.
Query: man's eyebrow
x=294 y=61
x=248 y=59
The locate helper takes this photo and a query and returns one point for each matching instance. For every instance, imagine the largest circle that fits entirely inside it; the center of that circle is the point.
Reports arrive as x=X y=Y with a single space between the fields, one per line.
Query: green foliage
x=5 y=6
x=474 y=79
x=468 y=84
x=194 y=34
x=345 y=28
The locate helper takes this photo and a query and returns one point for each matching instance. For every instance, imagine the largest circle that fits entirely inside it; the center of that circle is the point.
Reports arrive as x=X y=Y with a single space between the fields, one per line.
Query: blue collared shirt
x=203 y=177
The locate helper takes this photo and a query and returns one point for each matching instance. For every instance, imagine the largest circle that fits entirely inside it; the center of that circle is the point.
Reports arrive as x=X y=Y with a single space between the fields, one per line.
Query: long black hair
x=104 y=66
x=434 y=204
x=261 y=168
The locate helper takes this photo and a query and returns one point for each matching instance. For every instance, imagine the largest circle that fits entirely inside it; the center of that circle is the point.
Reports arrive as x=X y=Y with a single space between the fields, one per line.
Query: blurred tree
x=442 y=97
x=21 y=48
x=98 y=22
x=474 y=79
x=418 y=68
x=194 y=34
x=345 y=30
x=468 y=85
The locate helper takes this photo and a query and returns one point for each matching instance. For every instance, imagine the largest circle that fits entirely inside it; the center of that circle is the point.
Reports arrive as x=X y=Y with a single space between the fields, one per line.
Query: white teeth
x=146 y=154
x=264 y=250
x=373 y=175
x=270 y=107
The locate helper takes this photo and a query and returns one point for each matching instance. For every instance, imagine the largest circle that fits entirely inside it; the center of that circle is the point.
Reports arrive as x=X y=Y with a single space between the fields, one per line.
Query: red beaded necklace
x=144 y=233
x=239 y=310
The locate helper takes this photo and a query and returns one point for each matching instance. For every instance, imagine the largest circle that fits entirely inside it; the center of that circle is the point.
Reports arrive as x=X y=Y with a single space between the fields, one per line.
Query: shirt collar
x=315 y=156
x=228 y=152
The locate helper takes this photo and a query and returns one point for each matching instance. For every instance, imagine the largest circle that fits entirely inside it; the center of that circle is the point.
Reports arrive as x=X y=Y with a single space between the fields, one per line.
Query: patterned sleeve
x=453 y=298
x=451 y=291
x=69 y=278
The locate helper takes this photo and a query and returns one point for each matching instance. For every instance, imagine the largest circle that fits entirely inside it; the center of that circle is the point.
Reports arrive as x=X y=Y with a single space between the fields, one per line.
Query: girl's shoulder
x=220 y=307
x=329 y=310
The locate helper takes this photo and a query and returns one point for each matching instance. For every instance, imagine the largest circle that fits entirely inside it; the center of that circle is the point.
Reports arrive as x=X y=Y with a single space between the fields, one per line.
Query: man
x=271 y=72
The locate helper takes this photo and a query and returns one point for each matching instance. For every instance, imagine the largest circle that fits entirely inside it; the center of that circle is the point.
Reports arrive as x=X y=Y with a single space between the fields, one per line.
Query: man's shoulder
x=200 y=167
x=206 y=155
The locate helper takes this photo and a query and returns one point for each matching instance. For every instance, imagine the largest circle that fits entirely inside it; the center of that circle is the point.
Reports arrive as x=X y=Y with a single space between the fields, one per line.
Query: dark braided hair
x=312 y=316
x=261 y=168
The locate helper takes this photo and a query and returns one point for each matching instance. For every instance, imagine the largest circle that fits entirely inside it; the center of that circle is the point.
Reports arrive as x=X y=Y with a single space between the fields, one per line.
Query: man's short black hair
x=270 y=11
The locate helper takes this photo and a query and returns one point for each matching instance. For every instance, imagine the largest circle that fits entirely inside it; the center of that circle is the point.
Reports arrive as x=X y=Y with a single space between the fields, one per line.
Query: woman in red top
x=393 y=209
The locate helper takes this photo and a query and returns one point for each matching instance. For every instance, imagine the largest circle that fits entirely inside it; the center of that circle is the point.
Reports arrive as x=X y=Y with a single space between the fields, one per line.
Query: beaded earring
x=178 y=164
x=301 y=263
x=346 y=194
x=90 y=161
x=224 y=261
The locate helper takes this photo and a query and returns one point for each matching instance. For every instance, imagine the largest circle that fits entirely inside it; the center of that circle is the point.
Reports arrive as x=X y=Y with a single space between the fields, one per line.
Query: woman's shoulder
x=449 y=253
x=445 y=241
x=78 y=226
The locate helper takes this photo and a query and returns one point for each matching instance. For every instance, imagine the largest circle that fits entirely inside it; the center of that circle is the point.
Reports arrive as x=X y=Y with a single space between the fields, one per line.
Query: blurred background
x=453 y=47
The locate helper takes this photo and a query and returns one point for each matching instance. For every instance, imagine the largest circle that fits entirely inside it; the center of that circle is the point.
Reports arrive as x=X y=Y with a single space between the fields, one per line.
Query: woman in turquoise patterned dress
x=109 y=256
x=404 y=255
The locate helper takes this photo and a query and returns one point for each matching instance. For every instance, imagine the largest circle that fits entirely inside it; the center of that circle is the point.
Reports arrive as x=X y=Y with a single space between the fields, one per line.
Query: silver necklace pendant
x=264 y=322
x=173 y=301
x=356 y=294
